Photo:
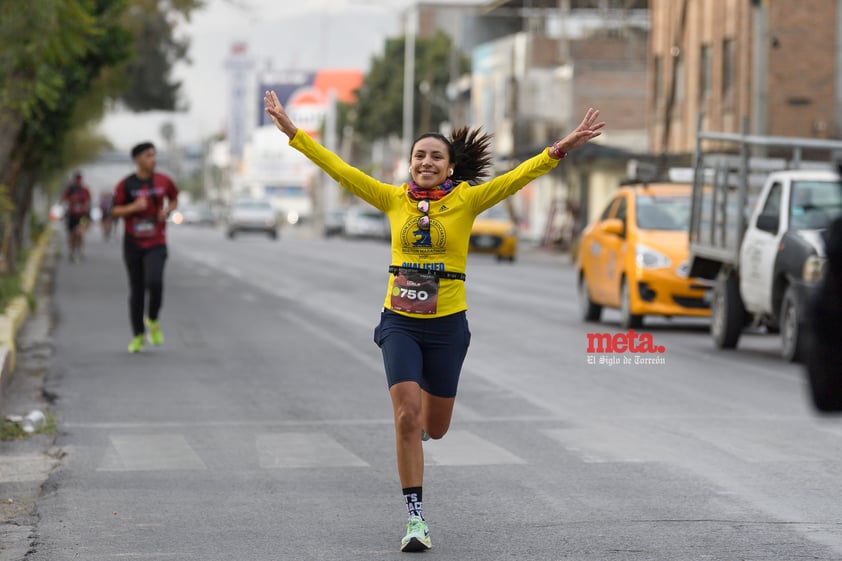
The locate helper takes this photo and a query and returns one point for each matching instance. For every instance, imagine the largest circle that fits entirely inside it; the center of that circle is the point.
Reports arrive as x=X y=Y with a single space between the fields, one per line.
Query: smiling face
x=430 y=164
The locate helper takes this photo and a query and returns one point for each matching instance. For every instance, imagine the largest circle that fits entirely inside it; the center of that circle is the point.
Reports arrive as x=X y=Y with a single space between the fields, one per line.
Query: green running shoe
x=137 y=344
x=417 y=536
x=154 y=334
x=424 y=436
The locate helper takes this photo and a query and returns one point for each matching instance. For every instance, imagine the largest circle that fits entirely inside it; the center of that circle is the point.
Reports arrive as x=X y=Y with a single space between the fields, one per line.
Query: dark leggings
x=145 y=267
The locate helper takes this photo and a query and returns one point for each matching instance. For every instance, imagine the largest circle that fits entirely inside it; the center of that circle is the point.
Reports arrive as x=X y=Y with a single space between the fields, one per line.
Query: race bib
x=143 y=228
x=415 y=291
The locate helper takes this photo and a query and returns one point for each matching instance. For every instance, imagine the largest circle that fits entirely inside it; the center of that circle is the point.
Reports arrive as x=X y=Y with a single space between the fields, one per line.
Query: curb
x=18 y=310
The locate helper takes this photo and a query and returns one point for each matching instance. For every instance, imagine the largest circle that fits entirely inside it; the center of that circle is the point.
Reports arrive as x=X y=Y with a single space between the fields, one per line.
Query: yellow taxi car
x=634 y=257
x=495 y=232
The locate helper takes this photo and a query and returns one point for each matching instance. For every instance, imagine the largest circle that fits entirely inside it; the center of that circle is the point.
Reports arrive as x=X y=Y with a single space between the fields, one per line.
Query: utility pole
x=760 y=70
x=676 y=57
x=408 y=80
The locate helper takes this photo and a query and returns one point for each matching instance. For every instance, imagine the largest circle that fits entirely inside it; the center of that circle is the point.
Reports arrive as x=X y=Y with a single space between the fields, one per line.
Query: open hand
x=587 y=130
x=275 y=110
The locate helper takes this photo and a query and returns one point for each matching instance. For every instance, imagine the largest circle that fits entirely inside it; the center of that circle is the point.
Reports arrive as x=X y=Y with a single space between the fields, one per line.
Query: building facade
x=535 y=85
x=772 y=63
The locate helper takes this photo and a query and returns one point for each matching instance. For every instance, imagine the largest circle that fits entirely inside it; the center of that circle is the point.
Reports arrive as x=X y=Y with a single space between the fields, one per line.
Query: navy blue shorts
x=427 y=351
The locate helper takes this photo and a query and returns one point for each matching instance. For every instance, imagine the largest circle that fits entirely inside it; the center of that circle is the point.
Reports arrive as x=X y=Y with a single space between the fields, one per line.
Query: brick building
x=774 y=63
x=535 y=85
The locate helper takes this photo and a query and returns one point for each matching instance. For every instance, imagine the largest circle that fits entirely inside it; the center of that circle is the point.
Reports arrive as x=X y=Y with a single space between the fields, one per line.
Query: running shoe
x=154 y=334
x=417 y=536
x=424 y=436
x=137 y=344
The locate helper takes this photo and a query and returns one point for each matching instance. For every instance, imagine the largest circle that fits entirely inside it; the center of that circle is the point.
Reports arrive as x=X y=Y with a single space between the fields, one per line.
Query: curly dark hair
x=468 y=150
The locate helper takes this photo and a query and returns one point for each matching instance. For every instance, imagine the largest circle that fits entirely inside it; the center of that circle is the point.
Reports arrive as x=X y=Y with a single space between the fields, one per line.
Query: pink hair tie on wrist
x=556 y=152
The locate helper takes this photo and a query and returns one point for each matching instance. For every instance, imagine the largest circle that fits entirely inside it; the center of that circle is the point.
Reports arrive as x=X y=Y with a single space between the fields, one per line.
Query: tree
x=378 y=112
x=39 y=42
x=60 y=61
x=155 y=50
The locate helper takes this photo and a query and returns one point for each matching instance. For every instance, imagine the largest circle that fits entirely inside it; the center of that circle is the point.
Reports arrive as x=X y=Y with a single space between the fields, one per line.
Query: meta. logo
x=630 y=342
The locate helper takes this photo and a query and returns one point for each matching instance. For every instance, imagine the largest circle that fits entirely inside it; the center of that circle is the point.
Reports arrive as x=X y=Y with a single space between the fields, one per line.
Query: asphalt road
x=262 y=428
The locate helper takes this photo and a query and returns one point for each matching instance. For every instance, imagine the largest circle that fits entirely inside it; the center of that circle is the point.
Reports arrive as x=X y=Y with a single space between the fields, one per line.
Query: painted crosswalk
x=743 y=440
x=302 y=450
x=464 y=448
x=288 y=450
x=326 y=446
x=140 y=452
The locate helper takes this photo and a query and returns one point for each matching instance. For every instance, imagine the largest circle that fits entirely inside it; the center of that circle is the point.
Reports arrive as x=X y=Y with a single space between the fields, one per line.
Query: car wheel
x=727 y=313
x=628 y=320
x=793 y=339
x=273 y=234
x=588 y=311
x=231 y=234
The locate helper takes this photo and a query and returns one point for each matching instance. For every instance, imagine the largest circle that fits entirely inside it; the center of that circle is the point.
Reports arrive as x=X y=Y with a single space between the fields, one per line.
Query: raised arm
x=352 y=179
x=505 y=185
x=275 y=110
x=587 y=130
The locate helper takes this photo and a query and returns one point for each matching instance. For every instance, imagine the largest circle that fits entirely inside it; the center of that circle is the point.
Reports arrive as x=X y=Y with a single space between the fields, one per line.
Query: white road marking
x=141 y=452
x=604 y=444
x=303 y=450
x=464 y=448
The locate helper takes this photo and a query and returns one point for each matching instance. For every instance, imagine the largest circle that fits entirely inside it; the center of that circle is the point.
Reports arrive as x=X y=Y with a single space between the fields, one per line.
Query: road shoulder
x=26 y=464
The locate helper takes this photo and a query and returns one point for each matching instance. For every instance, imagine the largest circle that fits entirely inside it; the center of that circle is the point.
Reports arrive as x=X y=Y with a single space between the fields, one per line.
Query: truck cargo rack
x=726 y=184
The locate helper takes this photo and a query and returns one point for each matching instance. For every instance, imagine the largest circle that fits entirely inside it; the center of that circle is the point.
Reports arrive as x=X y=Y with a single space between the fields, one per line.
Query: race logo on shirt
x=416 y=241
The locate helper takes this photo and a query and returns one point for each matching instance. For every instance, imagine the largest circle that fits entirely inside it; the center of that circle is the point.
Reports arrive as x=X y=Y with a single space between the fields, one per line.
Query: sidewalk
x=26 y=354
x=17 y=312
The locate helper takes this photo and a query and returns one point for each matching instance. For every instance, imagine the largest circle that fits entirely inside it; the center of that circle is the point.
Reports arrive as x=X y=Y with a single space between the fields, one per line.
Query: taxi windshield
x=662 y=212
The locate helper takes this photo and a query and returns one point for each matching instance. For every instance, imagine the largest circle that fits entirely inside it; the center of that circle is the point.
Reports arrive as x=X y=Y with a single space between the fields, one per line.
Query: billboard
x=239 y=67
x=306 y=95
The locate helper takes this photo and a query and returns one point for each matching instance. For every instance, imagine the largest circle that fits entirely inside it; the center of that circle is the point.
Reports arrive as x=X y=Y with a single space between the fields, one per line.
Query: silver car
x=252 y=215
x=366 y=222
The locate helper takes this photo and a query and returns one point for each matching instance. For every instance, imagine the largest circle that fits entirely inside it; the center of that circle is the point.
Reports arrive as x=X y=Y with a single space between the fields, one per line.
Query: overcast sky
x=281 y=34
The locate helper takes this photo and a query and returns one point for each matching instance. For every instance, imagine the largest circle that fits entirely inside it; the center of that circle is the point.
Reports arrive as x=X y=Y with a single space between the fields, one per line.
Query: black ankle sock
x=414 y=502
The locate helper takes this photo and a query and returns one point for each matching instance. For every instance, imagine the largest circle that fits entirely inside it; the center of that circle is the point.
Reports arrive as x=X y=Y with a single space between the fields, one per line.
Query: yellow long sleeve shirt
x=451 y=218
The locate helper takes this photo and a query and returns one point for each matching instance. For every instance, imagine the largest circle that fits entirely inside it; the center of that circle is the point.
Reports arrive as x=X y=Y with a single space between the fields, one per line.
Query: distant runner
x=106 y=221
x=144 y=200
x=77 y=201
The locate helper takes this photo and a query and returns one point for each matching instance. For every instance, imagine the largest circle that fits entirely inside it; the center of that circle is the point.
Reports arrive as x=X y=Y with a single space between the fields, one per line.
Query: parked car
x=634 y=257
x=198 y=214
x=366 y=222
x=334 y=222
x=252 y=215
x=496 y=233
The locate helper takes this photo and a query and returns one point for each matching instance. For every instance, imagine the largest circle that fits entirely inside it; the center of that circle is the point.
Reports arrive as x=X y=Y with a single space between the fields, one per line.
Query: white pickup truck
x=757 y=228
